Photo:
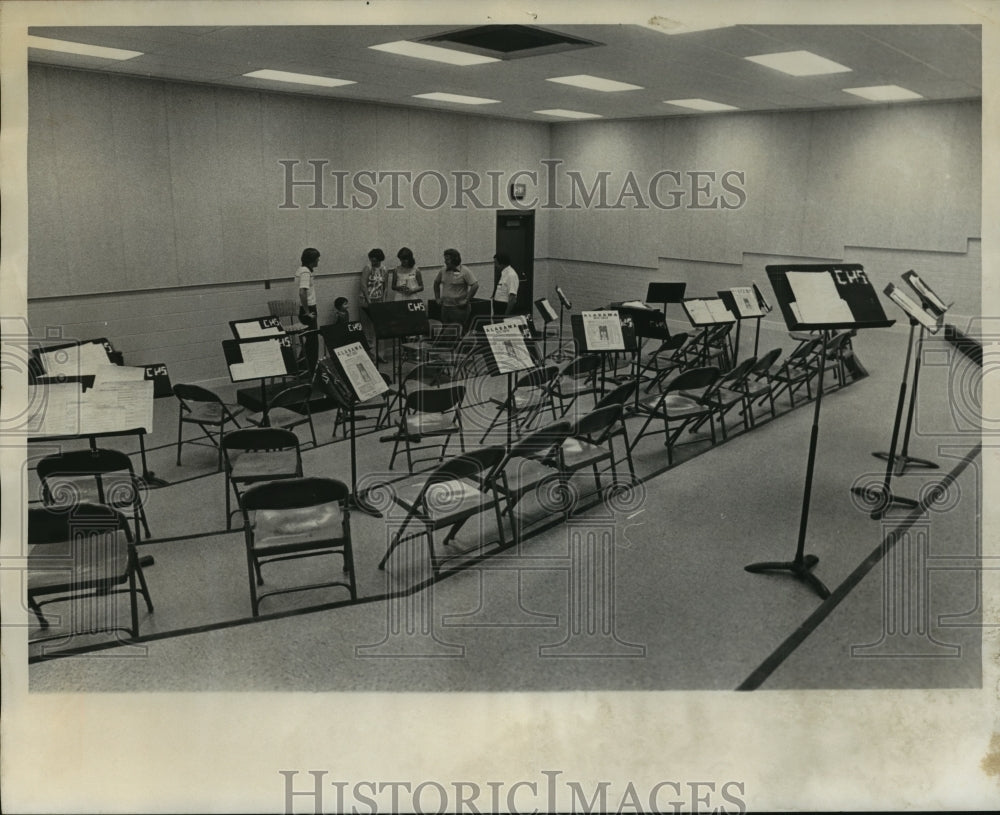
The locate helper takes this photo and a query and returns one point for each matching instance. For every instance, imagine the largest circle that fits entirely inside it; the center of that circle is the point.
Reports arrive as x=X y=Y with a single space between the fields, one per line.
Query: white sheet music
x=746 y=301
x=121 y=373
x=360 y=371
x=76 y=360
x=912 y=308
x=260 y=360
x=507 y=344
x=259 y=327
x=63 y=409
x=817 y=300
x=603 y=330
x=547 y=310
x=708 y=311
x=924 y=290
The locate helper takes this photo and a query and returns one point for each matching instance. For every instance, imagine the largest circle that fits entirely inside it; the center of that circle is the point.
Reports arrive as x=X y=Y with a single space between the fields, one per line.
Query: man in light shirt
x=505 y=293
x=454 y=288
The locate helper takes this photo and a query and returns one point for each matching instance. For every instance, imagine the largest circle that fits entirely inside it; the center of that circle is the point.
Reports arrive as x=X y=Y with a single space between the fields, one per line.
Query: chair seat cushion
x=204 y=413
x=78 y=563
x=446 y=499
x=285 y=418
x=264 y=464
x=283 y=527
x=576 y=387
x=676 y=405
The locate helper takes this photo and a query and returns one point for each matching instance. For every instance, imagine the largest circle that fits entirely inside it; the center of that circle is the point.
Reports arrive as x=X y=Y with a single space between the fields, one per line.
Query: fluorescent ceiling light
x=299 y=79
x=432 y=52
x=81 y=48
x=800 y=63
x=699 y=104
x=884 y=93
x=569 y=114
x=669 y=25
x=458 y=99
x=594 y=83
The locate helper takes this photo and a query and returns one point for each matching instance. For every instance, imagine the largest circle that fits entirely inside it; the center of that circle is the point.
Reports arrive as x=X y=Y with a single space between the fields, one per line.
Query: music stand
x=548 y=315
x=819 y=297
x=649 y=323
x=260 y=358
x=564 y=305
x=884 y=498
x=349 y=376
x=742 y=302
x=665 y=293
x=394 y=321
x=603 y=332
x=508 y=354
x=706 y=313
x=765 y=307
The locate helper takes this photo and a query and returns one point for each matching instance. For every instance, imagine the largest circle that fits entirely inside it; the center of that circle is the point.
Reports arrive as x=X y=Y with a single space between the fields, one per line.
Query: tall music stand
x=618 y=335
x=339 y=375
x=508 y=353
x=824 y=298
x=665 y=293
x=395 y=321
x=564 y=305
x=261 y=357
x=765 y=307
x=706 y=313
x=743 y=303
x=548 y=316
x=883 y=497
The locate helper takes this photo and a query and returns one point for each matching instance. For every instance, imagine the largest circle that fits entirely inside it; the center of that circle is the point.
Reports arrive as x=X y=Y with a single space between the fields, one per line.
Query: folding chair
x=532 y=393
x=206 y=409
x=287 y=410
x=726 y=393
x=591 y=442
x=457 y=490
x=799 y=369
x=293 y=519
x=83 y=553
x=253 y=455
x=664 y=360
x=757 y=386
x=577 y=378
x=65 y=478
x=674 y=407
x=428 y=413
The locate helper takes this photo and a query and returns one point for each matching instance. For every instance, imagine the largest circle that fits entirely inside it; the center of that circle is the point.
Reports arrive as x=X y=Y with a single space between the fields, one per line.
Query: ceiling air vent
x=509 y=41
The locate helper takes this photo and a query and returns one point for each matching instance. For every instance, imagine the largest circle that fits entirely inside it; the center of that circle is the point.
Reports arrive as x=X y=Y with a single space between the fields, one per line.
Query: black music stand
x=824 y=298
x=334 y=375
x=649 y=323
x=261 y=357
x=548 y=316
x=743 y=303
x=395 y=321
x=665 y=293
x=706 y=313
x=508 y=354
x=564 y=305
x=589 y=337
x=883 y=497
x=765 y=308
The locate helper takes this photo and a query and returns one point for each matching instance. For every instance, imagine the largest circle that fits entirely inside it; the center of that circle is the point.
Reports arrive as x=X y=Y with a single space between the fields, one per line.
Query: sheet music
x=547 y=310
x=761 y=300
x=719 y=312
x=507 y=344
x=76 y=360
x=746 y=301
x=360 y=371
x=937 y=304
x=817 y=299
x=121 y=373
x=603 y=330
x=912 y=308
x=708 y=311
x=110 y=406
x=260 y=360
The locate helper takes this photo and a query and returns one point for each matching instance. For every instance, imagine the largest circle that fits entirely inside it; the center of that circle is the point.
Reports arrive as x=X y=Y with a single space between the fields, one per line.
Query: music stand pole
x=354 y=499
x=884 y=498
x=736 y=349
x=801 y=567
x=756 y=337
x=905 y=460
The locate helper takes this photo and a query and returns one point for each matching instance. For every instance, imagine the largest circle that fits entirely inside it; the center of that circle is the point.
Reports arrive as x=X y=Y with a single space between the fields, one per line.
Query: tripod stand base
x=801 y=570
x=882 y=499
x=903 y=462
x=355 y=502
x=151 y=480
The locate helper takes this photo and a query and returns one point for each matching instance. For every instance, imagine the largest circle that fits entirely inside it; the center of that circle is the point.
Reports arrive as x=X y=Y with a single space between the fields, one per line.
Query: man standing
x=454 y=288
x=505 y=293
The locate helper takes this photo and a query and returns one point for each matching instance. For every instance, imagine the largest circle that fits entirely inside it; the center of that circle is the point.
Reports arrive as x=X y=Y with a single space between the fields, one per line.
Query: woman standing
x=374 y=288
x=407 y=281
x=305 y=280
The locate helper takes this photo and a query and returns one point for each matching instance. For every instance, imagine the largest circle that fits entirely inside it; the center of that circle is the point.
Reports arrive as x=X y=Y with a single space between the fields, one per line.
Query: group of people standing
x=454 y=288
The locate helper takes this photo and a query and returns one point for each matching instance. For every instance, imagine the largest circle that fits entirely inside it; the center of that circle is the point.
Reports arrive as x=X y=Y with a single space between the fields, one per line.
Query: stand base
x=152 y=481
x=800 y=569
x=903 y=461
x=354 y=502
x=881 y=500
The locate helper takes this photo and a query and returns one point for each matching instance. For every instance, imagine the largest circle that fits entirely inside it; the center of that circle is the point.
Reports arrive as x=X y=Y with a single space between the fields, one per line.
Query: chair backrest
x=260 y=438
x=693 y=379
x=738 y=374
x=765 y=362
x=581 y=366
x=49 y=525
x=283 y=308
x=466 y=465
x=537 y=377
x=295 y=493
x=619 y=396
x=83 y=462
x=598 y=422
x=195 y=393
x=434 y=400
x=673 y=343
x=541 y=441
x=296 y=395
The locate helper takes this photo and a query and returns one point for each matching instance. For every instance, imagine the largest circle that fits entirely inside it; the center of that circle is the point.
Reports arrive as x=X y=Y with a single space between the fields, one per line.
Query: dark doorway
x=516 y=239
